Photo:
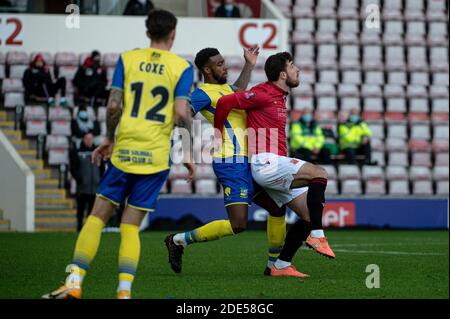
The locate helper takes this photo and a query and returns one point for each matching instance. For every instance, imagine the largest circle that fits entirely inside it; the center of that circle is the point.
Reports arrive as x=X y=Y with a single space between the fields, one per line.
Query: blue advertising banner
x=427 y=213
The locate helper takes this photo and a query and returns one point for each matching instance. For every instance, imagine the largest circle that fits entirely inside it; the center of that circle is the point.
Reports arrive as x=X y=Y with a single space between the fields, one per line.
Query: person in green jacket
x=307 y=139
x=354 y=138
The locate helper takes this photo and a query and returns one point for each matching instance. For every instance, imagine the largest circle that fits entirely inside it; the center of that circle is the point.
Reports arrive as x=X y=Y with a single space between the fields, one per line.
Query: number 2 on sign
x=12 y=38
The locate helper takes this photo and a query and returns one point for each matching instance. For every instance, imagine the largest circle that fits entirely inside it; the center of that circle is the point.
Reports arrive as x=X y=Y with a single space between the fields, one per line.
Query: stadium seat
x=12 y=85
x=372 y=117
x=68 y=72
x=396 y=104
x=379 y=157
x=56 y=142
x=332 y=188
x=397 y=78
x=351 y=187
x=417 y=173
x=397 y=131
x=371 y=90
x=398 y=188
x=377 y=144
x=442 y=188
x=178 y=172
x=58 y=156
x=322 y=117
x=418 y=105
x=440 y=173
x=324 y=89
x=420 y=131
x=438 y=91
x=439 y=105
x=36 y=127
x=440 y=145
x=348 y=103
x=180 y=186
x=395 y=117
x=347 y=90
x=2 y=72
x=421 y=159
x=419 y=145
x=348 y=172
x=374 y=77
x=440 y=78
x=205 y=186
x=398 y=159
x=397 y=173
x=48 y=57
x=441 y=159
x=12 y=99
x=377 y=130
x=395 y=144
x=101 y=114
x=373 y=104
x=372 y=172
x=59 y=114
x=61 y=128
x=17 y=71
x=17 y=57
x=331 y=171
x=328 y=103
x=375 y=187
x=329 y=76
x=66 y=58
x=391 y=90
x=441 y=132
x=204 y=172
x=422 y=188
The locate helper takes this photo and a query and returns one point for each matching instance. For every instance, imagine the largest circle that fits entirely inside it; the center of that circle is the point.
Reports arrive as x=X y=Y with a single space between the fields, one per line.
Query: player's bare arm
x=183 y=118
x=250 y=55
x=113 y=114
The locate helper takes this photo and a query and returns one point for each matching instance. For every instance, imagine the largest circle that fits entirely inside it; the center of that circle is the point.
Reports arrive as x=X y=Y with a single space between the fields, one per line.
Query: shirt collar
x=277 y=88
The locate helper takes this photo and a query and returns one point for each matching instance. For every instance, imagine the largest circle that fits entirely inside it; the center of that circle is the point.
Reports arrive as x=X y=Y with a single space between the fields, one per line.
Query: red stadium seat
x=395 y=117
x=372 y=117
x=439 y=117
x=417 y=145
x=36 y=127
x=440 y=145
x=418 y=117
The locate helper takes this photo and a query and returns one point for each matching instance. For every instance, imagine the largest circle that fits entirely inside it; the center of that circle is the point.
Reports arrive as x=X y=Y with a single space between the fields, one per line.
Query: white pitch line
x=385 y=244
x=382 y=252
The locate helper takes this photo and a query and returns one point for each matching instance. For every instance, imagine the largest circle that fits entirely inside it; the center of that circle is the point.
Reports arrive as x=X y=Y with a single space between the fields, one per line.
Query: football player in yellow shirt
x=154 y=85
x=231 y=164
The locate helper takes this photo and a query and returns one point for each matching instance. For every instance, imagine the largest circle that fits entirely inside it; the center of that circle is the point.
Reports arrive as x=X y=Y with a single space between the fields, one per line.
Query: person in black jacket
x=86 y=174
x=138 y=8
x=91 y=80
x=228 y=10
x=38 y=83
x=82 y=124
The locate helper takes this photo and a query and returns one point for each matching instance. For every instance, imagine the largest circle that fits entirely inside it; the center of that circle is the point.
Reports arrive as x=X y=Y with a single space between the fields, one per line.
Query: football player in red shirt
x=298 y=184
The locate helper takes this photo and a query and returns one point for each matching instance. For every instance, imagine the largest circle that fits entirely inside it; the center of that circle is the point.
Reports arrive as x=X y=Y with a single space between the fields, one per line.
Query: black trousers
x=84 y=201
x=324 y=156
x=364 y=149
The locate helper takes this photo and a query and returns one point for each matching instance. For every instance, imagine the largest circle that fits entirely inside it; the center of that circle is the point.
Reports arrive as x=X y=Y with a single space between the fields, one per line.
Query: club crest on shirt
x=249 y=95
x=227 y=192
x=244 y=193
x=294 y=161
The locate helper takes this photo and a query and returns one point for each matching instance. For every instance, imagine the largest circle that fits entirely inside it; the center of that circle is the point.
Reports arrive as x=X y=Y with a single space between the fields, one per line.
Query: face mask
x=229 y=7
x=83 y=115
x=354 y=118
x=307 y=118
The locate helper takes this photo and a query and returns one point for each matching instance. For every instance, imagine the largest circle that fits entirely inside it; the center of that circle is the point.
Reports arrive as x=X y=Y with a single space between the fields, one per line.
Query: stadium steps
x=50 y=193
x=5 y=225
x=54 y=211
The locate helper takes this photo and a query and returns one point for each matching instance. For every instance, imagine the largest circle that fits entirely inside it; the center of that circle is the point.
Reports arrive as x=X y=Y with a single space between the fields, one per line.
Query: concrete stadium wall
x=16 y=188
x=61 y=33
x=407 y=213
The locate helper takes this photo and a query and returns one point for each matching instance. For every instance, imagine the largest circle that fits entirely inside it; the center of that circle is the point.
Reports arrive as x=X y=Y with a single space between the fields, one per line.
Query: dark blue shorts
x=140 y=191
x=237 y=182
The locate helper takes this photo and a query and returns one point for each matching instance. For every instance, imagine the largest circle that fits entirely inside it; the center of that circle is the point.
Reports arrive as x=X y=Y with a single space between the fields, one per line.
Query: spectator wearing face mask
x=39 y=85
x=91 y=80
x=354 y=138
x=138 y=8
x=307 y=140
x=83 y=125
x=86 y=174
x=228 y=10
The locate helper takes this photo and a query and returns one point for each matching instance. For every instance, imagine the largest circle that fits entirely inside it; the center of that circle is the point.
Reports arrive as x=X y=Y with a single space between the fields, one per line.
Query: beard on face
x=292 y=82
x=220 y=79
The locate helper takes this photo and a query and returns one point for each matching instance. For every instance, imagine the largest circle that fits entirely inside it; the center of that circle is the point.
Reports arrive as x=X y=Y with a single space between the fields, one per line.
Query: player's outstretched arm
x=250 y=55
x=113 y=114
x=183 y=118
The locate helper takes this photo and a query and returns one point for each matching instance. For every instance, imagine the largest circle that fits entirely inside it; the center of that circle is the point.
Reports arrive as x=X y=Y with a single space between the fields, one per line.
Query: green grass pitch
x=412 y=264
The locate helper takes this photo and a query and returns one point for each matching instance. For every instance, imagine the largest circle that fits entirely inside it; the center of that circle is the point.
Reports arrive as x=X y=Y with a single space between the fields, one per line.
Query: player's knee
x=320 y=172
x=280 y=212
x=239 y=226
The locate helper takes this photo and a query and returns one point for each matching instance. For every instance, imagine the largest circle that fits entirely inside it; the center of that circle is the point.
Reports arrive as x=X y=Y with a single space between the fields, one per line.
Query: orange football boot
x=288 y=271
x=321 y=246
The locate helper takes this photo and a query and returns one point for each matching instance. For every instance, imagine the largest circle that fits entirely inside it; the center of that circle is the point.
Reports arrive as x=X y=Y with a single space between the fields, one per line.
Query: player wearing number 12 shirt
x=154 y=85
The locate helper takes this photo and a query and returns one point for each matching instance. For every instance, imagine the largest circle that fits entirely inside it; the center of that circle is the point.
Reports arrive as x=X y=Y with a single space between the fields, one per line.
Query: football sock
x=280 y=264
x=276 y=234
x=317 y=233
x=211 y=231
x=294 y=239
x=316 y=201
x=130 y=249
x=87 y=244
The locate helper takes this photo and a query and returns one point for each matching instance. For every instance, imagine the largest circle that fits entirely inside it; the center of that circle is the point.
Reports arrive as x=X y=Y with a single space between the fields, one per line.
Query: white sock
x=280 y=264
x=124 y=285
x=179 y=239
x=317 y=233
x=74 y=279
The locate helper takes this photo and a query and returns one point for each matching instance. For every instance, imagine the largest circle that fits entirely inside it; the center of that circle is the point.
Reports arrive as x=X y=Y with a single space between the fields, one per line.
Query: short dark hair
x=160 y=23
x=276 y=64
x=202 y=57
